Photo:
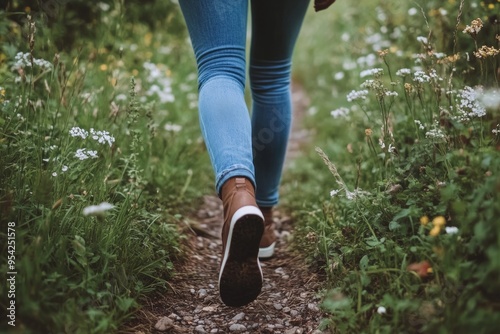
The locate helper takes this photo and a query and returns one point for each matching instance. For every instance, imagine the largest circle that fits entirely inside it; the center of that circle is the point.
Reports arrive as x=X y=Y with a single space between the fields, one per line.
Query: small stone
x=312 y=307
x=193 y=291
x=239 y=316
x=164 y=324
x=215 y=330
x=294 y=313
x=286 y=309
x=237 y=328
x=199 y=329
x=202 y=293
x=208 y=309
x=277 y=306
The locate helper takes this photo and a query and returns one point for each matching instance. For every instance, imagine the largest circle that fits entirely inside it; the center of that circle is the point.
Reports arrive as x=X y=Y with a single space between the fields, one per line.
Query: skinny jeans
x=240 y=144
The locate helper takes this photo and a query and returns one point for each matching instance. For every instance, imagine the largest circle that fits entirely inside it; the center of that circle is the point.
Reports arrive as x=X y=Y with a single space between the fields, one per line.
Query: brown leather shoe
x=240 y=276
x=268 y=241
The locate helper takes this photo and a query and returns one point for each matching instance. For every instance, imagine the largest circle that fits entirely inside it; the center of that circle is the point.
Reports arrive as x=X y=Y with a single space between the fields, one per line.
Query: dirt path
x=288 y=302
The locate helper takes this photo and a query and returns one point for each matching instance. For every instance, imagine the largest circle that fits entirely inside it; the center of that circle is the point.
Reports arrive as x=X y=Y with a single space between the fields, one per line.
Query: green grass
x=88 y=274
x=388 y=173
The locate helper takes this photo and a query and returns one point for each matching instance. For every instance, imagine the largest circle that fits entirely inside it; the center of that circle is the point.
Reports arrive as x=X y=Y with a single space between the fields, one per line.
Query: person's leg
x=275 y=27
x=218 y=34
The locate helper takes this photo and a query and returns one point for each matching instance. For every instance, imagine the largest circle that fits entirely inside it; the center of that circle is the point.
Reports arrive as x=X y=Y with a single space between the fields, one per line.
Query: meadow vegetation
x=395 y=200
x=398 y=205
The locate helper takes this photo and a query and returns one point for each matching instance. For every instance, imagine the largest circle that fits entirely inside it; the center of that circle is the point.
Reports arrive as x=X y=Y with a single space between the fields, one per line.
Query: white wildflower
x=376 y=72
x=173 y=127
x=54 y=174
x=78 y=132
x=367 y=61
x=435 y=133
x=391 y=149
x=468 y=104
x=357 y=95
x=340 y=112
x=391 y=93
x=64 y=168
x=403 y=72
x=421 y=77
x=97 y=210
x=422 y=39
x=334 y=192
x=412 y=11
x=84 y=154
x=23 y=60
x=339 y=75
x=420 y=125
x=161 y=83
x=372 y=84
x=102 y=137
x=381 y=143
x=381 y=310
x=496 y=131
x=451 y=229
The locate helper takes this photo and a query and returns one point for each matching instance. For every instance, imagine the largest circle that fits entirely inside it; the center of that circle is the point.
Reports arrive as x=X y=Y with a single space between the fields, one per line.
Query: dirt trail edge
x=288 y=303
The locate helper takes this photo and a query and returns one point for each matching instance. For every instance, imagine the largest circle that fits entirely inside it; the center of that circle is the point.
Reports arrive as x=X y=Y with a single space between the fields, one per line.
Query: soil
x=288 y=303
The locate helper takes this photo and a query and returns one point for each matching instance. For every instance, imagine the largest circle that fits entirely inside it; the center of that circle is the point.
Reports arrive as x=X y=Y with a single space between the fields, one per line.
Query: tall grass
x=403 y=219
x=99 y=148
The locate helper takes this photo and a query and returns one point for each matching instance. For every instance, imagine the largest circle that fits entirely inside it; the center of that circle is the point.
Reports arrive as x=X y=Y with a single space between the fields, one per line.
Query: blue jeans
x=240 y=145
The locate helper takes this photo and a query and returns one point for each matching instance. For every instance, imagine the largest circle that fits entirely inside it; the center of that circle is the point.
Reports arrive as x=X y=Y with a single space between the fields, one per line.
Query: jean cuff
x=233 y=171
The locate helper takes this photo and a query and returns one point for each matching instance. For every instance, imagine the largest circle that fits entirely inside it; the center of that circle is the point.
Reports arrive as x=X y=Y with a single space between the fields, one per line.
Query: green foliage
x=407 y=145
x=98 y=159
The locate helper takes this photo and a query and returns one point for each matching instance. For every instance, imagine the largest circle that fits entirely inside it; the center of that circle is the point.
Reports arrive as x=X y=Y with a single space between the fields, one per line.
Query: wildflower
x=23 y=60
x=451 y=229
x=64 y=168
x=339 y=76
x=408 y=87
x=421 y=77
x=357 y=95
x=420 y=125
x=334 y=193
x=424 y=220
x=403 y=72
x=474 y=27
x=420 y=268
x=391 y=93
x=102 y=137
x=381 y=310
x=486 y=51
x=412 y=11
x=435 y=231
x=83 y=154
x=439 y=221
x=381 y=143
x=368 y=132
x=422 y=40
x=78 y=132
x=391 y=149
x=468 y=104
x=435 y=134
x=372 y=84
x=54 y=174
x=340 y=112
x=97 y=210
x=172 y=127
x=496 y=131
x=376 y=72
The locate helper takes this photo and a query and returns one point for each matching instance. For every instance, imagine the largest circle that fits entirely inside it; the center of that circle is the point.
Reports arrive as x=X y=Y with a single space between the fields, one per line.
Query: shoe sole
x=240 y=277
x=267 y=252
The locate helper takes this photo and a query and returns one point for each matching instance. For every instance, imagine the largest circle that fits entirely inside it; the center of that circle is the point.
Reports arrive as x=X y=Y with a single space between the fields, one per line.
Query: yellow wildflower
x=439 y=221
x=486 y=51
x=368 y=132
x=424 y=220
x=435 y=231
x=103 y=67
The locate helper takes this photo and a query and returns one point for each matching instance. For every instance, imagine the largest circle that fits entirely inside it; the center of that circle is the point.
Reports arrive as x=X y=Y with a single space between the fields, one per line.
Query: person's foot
x=268 y=241
x=240 y=276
